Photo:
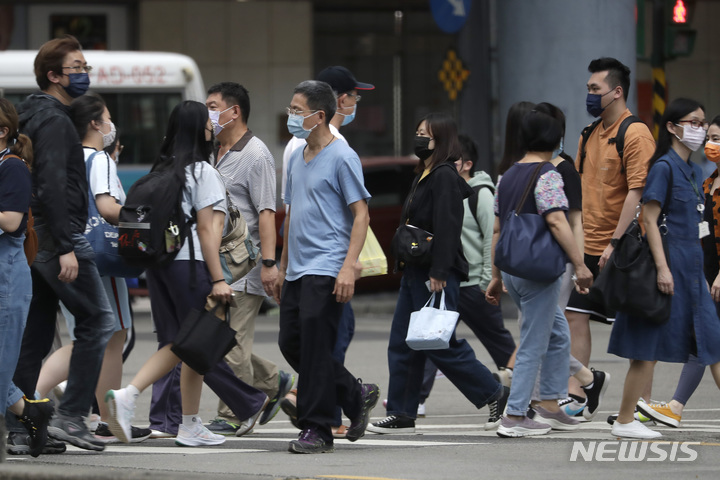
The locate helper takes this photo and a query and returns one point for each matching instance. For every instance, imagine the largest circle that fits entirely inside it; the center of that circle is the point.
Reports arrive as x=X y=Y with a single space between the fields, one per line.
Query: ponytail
x=22 y=147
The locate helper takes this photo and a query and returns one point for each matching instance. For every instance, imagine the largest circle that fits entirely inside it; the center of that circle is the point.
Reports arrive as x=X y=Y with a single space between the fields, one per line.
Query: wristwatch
x=269 y=262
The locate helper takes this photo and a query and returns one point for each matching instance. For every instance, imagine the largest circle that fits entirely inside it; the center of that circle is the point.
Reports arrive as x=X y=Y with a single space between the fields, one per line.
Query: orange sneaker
x=660 y=412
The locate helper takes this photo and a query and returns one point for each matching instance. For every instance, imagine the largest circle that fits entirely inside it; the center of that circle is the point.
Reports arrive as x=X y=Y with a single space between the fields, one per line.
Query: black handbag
x=203 y=339
x=526 y=247
x=412 y=246
x=628 y=283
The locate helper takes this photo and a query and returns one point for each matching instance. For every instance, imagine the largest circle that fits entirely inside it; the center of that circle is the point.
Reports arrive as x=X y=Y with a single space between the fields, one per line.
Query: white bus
x=140 y=88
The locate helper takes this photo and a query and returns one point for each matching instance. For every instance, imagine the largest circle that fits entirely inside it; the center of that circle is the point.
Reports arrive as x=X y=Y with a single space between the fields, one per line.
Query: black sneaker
x=35 y=418
x=393 y=424
x=286 y=381
x=497 y=407
x=601 y=380
x=310 y=442
x=369 y=393
x=138 y=434
x=73 y=430
x=17 y=444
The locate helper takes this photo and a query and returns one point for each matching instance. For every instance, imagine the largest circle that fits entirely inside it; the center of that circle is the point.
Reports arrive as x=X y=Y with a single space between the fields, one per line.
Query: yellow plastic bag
x=372 y=258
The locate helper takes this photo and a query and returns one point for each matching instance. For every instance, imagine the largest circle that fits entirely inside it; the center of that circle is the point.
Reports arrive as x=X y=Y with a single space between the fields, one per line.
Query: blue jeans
x=15 y=296
x=407 y=366
x=544 y=343
x=86 y=299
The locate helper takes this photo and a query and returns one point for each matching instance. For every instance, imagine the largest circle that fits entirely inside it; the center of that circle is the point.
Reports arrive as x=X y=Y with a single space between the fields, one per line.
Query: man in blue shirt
x=325 y=230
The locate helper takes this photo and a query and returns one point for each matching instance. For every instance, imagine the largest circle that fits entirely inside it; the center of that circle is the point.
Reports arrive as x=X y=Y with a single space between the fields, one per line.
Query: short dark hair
x=233 y=94
x=319 y=96
x=85 y=109
x=716 y=121
x=540 y=130
x=513 y=150
x=443 y=130
x=618 y=73
x=469 y=150
x=50 y=58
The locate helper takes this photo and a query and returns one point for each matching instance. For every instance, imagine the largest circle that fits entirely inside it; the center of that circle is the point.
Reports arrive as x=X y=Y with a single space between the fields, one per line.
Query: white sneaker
x=121 y=405
x=196 y=436
x=634 y=430
x=421 y=410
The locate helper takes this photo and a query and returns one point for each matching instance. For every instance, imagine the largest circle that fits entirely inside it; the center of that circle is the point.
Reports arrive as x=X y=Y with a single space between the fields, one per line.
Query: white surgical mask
x=693 y=138
x=109 y=138
x=215 y=120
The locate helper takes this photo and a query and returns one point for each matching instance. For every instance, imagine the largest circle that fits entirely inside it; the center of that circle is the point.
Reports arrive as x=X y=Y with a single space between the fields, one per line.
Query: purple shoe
x=557 y=420
x=525 y=427
x=310 y=441
x=370 y=393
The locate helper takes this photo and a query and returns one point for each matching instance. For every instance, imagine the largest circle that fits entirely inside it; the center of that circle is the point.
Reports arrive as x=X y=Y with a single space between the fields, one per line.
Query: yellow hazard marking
x=453 y=74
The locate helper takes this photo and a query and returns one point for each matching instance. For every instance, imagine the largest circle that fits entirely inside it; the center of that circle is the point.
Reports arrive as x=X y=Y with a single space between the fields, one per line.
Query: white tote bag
x=431 y=328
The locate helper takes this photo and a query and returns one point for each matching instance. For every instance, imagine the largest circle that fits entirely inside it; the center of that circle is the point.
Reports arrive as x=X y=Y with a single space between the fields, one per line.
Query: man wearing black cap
x=345 y=86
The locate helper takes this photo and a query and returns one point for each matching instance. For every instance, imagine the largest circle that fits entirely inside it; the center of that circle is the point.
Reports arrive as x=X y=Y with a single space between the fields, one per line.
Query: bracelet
x=218 y=281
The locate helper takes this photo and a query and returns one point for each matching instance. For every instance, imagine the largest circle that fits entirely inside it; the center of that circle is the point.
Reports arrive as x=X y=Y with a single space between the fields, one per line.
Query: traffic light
x=679 y=36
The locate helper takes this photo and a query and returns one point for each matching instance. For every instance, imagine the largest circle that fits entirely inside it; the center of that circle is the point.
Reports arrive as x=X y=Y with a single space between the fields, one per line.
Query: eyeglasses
x=295 y=111
x=356 y=96
x=696 y=124
x=79 y=68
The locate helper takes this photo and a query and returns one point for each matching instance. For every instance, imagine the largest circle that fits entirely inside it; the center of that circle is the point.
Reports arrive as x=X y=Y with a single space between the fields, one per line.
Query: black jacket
x=435 y=204
x=60 y=199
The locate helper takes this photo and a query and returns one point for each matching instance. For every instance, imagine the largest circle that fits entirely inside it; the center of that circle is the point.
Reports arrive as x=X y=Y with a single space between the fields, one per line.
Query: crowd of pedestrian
x=58 y=157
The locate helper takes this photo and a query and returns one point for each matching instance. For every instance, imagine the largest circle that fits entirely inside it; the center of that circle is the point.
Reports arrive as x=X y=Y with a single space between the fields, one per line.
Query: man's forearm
x=628 y=211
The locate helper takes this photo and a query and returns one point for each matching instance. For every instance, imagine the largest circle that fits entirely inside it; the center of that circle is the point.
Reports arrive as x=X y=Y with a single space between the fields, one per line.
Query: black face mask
x=421 y=147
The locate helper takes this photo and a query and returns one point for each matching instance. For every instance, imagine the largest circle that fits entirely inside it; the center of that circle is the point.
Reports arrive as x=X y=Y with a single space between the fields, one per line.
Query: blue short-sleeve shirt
x=319 y=194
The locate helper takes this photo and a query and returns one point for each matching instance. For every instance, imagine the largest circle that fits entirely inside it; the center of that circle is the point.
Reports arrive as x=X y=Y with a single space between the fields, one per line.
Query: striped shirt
x=248 y=170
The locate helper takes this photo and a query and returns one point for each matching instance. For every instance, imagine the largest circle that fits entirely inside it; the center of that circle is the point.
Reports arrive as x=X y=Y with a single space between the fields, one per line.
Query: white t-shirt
x=103 y=175
x=293 y=145
x=206 y=188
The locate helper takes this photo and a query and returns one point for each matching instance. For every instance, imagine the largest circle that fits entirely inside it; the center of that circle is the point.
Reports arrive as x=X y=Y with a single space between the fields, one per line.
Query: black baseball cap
x=342 y=80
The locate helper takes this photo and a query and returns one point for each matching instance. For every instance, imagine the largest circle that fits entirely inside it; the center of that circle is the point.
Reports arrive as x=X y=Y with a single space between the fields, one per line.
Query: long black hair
x=677 y=109
x=84 y=110
x=184 y=141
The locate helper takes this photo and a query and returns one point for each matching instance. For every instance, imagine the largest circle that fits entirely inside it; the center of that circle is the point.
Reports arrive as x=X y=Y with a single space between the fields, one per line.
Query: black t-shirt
x=572 y=186
x=15 y=190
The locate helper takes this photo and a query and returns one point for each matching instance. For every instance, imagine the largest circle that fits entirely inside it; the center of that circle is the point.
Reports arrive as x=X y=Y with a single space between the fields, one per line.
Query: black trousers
x=309 y=317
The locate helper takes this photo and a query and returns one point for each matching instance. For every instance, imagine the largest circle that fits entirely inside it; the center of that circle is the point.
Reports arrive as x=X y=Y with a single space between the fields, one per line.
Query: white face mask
x=109 y=138
x=692 y=138
x=215 y=120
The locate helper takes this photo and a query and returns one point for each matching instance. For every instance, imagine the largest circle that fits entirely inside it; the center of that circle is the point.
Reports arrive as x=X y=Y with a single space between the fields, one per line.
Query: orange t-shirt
x=604 y=185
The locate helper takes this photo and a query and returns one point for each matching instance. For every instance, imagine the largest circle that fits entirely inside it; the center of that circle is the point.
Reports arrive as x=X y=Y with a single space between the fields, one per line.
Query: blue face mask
x=79 y=84
x=295 y=125
x=556 y=153
x=349 y=117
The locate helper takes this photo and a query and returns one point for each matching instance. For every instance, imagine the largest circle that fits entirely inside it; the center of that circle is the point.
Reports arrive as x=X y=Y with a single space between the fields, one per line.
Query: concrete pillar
x=545 y=46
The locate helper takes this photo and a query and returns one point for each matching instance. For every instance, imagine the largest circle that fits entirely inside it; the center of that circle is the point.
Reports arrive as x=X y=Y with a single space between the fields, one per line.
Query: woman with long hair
x=514 y=149
x=15 y=281
x=544 y=348
x=435 y=204
x=694 y=326
x=185 y=153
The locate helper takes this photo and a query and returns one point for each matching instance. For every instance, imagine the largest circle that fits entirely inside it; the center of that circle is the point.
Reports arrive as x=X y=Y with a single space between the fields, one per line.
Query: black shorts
x=582 y=304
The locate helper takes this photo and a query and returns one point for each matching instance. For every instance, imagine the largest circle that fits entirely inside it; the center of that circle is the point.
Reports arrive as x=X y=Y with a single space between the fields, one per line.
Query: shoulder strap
x=585 y=135
x=664 y=210
x=529 y=187
x=619 y=139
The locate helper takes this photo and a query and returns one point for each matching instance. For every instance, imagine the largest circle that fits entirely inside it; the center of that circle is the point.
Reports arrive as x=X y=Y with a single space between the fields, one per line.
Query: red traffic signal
x=679 y=13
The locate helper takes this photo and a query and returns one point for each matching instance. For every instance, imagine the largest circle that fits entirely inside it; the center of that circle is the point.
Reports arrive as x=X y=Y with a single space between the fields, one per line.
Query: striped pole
x=657 y=60
x=659 y=96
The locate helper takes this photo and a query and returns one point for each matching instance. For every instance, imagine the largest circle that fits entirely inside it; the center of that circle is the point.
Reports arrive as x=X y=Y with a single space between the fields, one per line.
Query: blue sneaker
x=573 y=406
x=286 y=381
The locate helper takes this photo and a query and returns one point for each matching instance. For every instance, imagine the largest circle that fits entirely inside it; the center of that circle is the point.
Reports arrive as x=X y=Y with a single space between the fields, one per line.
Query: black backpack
x=618 y=140
x=473 y=199
x=152 y=226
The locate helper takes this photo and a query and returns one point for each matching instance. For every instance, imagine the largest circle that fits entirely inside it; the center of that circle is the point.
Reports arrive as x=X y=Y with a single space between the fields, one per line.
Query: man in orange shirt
x=611 y=189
